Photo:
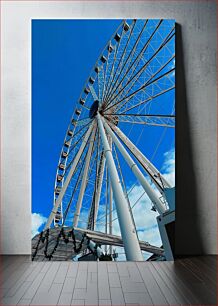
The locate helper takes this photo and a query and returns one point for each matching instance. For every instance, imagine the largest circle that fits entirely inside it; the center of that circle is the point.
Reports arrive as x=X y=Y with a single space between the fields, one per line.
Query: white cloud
x=37 y=221
x=168 y=168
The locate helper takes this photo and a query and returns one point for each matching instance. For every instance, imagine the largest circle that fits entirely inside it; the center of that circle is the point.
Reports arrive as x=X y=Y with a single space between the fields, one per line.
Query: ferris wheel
x=128 y=94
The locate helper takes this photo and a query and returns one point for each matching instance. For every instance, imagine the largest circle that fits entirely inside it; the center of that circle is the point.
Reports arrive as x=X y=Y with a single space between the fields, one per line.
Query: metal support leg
x=84 y=180
x=139 y=175
x=110 y=213
x=110 y=202
x=129 y=236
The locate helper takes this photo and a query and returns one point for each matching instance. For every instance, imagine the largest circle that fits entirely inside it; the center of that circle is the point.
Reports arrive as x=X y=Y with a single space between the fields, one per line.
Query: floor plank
x=168 y=292
x=195 y=289
x=172 y=284
x=183 y=284
x=153 y=289
x=14 y=300
x=49 y=277
x=65 y=299
x=103 y=282
x=203 y=270
x=28 y=275
x=48 y=298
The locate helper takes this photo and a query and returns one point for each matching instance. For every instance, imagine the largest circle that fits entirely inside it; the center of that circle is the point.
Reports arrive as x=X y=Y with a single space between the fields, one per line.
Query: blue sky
x=63 y=54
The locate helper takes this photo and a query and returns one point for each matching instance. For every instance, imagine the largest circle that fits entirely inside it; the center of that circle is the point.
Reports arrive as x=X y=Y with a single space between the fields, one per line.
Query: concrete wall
x=196 y=113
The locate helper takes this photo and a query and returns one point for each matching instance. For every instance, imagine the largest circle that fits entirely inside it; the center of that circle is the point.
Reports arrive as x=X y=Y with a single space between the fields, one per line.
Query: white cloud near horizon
x=168 y=168
x=37 y=221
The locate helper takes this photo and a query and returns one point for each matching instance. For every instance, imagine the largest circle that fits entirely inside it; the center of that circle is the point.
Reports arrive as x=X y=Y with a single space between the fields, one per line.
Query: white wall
x=196 y=111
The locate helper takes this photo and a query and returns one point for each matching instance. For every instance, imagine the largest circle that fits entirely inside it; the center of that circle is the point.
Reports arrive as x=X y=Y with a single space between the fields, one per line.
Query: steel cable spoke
x=136 y=59
x=128 y=98
x=115 y=58
x=121 y=59
x=168 y=38
x=153 y=75
x=128 y=60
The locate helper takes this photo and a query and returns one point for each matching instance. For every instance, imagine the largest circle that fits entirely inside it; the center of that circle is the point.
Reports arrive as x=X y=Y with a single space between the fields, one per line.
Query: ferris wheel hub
x=94 y=109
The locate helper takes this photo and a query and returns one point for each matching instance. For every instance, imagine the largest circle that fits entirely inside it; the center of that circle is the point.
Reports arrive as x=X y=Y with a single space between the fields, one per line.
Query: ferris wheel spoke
x=136 y=61
x=156 y=122
x=132 y=81
x=153 y=120
x=148 y=82
x=94 y=95
x=110 y=54
x=91 y=181
x=70 y=174
x=151 y=98
x=124 y=185
x=113 y=65
x=105 y=74
x=167 y=75
x=141 y=70
x=117 y=72
x=84 y=179
x=128 y=61
x=158 y=179
x=120 y=64
x=136 y=171
x=105 y=57
x=74 y=136
x=71 y=151
x=74 y=178
x=143 y=87
x=82 y=121
x=100 y=84
x=114 y=52
x=91 y=215
x=72 y=195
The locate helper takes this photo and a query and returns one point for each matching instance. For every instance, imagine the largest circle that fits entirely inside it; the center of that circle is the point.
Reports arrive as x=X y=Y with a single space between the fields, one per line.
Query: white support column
x=110 y=202
x=110 y=213
x=106 y=205
x=135 y=169
x=141 y=158
x=70 y=174
x=129 y=236
x=84 y=179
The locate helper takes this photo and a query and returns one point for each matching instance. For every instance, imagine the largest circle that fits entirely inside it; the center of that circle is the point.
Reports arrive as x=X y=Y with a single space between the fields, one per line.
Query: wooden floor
x=188 y=281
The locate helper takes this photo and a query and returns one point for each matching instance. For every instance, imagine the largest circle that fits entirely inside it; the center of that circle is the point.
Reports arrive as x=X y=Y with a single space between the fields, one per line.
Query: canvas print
x=103 y=140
